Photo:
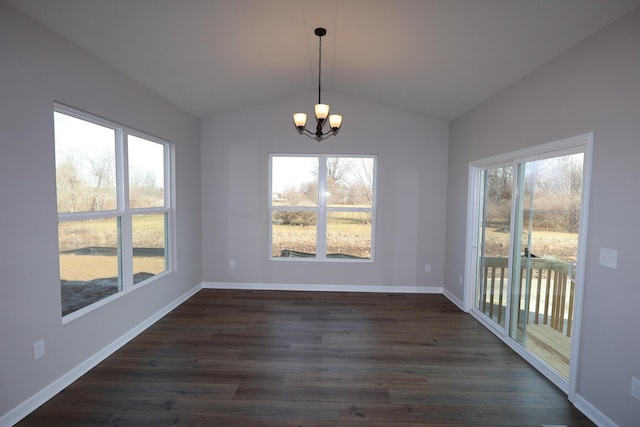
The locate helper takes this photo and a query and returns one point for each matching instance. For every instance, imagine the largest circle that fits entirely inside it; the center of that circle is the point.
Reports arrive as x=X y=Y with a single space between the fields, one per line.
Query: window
x=114 y=213
x=322 y=207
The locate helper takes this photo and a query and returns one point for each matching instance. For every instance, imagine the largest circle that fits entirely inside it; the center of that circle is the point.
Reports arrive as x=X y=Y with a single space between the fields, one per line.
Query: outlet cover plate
x=635 y=387
x=609 y=258
x=38 y=349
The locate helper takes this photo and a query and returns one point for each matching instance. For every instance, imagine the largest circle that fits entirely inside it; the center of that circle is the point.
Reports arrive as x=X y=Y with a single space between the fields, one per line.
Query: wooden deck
x=548 y=305
x=233 y=358
x=551 y=346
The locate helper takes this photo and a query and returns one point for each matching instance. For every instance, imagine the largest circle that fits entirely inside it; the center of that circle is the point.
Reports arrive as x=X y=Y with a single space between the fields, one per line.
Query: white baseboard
x=322 y=288
x=593 y=413
x=454 y=299
x=31 y=404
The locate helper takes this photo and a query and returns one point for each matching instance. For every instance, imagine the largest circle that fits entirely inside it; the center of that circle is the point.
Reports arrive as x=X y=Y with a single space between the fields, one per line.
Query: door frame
x=583 y=142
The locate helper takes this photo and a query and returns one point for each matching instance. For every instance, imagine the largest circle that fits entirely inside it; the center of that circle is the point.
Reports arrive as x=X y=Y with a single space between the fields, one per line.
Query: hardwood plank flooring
x=267 y=358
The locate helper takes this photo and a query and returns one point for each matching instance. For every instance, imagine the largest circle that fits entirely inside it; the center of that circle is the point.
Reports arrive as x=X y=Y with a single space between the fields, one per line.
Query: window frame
x=123 y=213
x=321 y=209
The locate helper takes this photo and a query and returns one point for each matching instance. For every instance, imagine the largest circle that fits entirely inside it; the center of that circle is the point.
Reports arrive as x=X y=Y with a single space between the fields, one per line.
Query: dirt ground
x=89 y=278
x=89 y=267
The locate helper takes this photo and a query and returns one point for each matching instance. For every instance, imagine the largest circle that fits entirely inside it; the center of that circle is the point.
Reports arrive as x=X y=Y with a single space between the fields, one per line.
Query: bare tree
x=337 y=168
x=500 y=183
x=558 y=187
x=143 y=192
x=69 y=185
x=102 y=170
x=363 y=172
x=499 y=188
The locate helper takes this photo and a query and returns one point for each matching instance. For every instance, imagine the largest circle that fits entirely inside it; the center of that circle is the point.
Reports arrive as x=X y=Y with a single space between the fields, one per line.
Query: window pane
x=149 y=239
x=350 y=181
x=349 y=235
x=294 y=181
x=89 y=261
x=294 y=234
x=494 y=236
x=85 y=165
x=146 y=173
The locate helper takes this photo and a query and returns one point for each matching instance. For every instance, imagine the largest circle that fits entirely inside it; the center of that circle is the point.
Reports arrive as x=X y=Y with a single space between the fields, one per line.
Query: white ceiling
x=439 y=58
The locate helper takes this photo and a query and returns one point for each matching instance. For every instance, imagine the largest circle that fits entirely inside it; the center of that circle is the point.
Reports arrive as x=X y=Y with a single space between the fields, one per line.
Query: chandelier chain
x=319 y=68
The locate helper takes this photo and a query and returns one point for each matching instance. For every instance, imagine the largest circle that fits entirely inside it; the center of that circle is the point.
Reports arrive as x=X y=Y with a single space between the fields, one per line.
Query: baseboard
x=593 y=413
x=454 y=299
x=31 y=404
x=322 y=288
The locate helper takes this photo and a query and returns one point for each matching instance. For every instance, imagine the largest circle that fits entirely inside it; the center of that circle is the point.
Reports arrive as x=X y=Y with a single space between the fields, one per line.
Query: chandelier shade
x=321 y=110
x=300 y=120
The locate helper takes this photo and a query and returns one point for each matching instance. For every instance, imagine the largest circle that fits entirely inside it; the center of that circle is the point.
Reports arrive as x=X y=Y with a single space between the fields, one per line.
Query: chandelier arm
x=317 y=136
x=307 y=131
x=324 y=136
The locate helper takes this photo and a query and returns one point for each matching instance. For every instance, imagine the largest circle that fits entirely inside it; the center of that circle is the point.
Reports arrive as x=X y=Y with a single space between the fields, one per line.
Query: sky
x=84 y=140
x=292 y=171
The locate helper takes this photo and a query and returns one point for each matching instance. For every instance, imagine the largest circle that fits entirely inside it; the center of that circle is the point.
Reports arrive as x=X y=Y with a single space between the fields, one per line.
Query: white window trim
x=123 y=211
x=322 y=210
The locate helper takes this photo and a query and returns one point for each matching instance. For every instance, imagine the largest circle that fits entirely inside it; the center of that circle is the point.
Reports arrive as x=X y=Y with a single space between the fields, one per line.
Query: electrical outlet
x=635 y=387
x=427 y=268
x=232 y=263
x=38 y=349
x=460 y=279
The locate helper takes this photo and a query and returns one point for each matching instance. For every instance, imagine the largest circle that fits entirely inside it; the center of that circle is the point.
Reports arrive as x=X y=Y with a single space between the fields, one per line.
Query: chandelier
x=321 y=110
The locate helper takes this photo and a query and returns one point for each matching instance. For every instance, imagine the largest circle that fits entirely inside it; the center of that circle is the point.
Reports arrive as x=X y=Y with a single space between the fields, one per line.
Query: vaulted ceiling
x=439 y=58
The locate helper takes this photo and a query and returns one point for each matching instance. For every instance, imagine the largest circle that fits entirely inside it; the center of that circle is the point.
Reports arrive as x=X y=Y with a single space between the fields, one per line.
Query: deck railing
x=550 y=297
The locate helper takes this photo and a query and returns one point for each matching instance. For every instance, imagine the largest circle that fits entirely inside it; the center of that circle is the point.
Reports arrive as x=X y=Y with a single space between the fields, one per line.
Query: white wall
x=594 y=87
x=36 y=68
x=412 y=164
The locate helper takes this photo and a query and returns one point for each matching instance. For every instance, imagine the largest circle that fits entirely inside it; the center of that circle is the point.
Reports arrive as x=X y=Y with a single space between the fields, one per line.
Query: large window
x=322 y=207
x=114 y=213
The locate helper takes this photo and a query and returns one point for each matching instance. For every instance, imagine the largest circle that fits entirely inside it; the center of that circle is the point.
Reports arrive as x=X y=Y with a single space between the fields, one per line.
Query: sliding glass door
x=547 y=221
x=525 y=223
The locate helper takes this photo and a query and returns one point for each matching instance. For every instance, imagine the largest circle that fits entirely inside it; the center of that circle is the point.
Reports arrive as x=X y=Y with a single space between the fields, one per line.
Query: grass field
x=347 y=233
x=554 y=244
x=350 y=236
x=148 y=232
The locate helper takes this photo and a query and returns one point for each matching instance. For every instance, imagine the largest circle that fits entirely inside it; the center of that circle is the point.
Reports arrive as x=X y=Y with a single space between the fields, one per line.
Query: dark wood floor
x=236 y=358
